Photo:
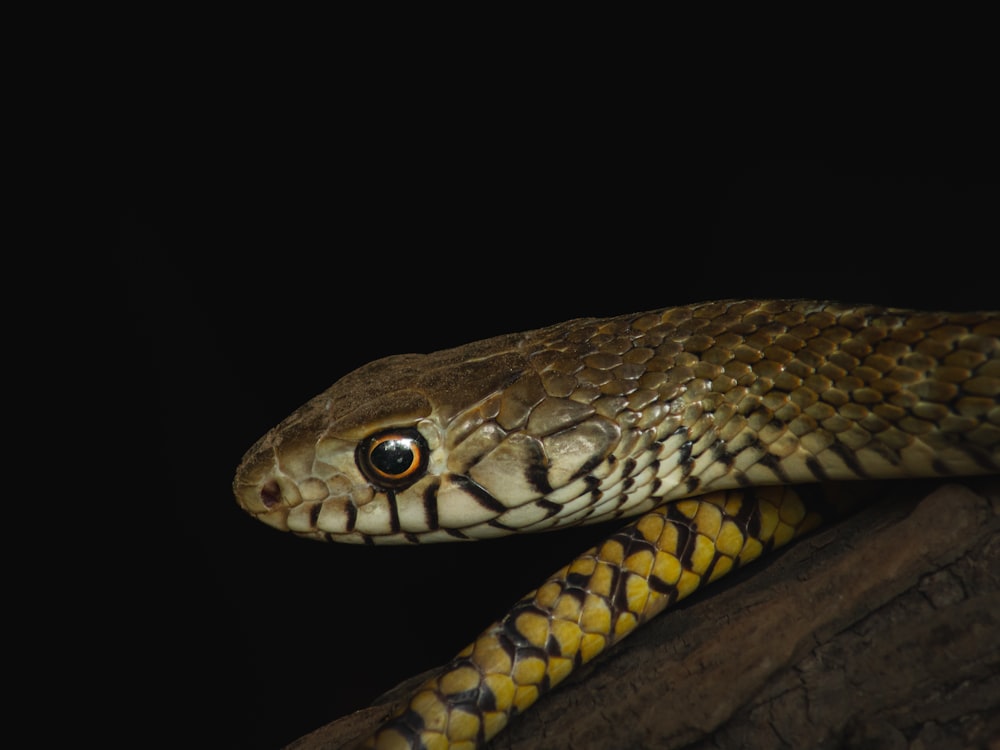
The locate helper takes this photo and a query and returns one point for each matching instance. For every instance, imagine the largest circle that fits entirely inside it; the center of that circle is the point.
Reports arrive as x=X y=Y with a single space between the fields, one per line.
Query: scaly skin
x=588 y=606
x=592 y=420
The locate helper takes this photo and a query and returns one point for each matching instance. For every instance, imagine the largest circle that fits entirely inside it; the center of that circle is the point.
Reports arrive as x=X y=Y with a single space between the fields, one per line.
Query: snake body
x=692 y=420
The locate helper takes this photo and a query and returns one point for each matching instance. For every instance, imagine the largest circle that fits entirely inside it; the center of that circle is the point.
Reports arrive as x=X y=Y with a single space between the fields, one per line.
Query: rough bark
x=882 y=631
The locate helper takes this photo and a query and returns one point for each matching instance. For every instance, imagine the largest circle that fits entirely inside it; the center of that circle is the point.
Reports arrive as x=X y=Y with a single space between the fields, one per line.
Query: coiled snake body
x=695 y=420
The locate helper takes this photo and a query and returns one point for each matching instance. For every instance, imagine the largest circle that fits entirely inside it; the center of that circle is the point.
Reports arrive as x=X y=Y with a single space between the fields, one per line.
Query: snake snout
x=270 y=493
x=261 y=490
x=304 y=485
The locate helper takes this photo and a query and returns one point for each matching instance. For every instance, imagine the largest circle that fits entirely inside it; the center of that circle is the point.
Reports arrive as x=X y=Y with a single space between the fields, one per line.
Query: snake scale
x=705 y=424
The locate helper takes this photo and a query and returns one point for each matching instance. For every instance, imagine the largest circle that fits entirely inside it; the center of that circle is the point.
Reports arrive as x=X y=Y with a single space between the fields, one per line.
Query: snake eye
x=393 y=459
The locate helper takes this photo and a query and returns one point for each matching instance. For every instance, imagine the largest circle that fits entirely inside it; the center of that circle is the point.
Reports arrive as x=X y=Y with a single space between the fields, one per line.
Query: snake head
x=593 y=420
x=433 y=447
x=315 y=473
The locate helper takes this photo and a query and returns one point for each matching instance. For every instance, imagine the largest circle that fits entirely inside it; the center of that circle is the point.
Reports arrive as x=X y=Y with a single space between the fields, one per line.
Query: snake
x=707 y=428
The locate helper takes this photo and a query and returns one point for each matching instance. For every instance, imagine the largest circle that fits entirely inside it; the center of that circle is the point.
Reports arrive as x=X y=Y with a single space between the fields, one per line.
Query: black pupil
x=392 y=457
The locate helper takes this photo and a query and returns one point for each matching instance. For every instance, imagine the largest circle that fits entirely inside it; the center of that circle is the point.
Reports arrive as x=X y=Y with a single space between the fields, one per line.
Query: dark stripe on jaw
x=314 y=515
x=848 y=457
x=684 y=459
x=890 y=455
x=684 y=454
x=431 y=505
x=390 y=495
x=589 y=465
x=413 y=538
x=816 y=468
x=772 y=462
x=628 y=466
x=352 y=515
x=721 y=454
x=538 y=476
x=981 y=456
x=549 y=507
x=480 y=495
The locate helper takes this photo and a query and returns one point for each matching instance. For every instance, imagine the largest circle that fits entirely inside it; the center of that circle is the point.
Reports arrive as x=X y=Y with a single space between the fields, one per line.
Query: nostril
x=270 y=494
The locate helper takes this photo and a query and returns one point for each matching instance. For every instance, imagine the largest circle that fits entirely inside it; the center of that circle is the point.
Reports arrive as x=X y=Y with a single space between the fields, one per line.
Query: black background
x=258 y=264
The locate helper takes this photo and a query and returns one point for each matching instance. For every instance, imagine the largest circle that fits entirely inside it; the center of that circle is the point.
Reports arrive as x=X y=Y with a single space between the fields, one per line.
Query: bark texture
x=882 y=631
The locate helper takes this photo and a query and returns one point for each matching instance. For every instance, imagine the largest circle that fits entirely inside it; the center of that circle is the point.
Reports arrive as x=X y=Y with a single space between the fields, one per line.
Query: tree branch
x=881 y=630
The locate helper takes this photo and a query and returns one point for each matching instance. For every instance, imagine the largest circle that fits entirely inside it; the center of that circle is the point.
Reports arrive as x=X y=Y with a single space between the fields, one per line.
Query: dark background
x=258 y=265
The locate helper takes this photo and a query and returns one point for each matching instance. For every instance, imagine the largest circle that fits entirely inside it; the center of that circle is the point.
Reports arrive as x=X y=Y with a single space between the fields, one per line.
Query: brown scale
x=628 y=416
